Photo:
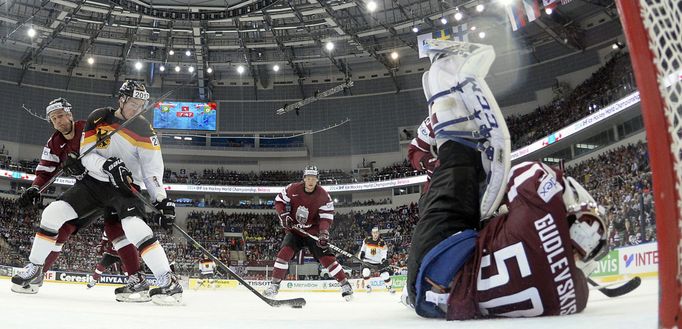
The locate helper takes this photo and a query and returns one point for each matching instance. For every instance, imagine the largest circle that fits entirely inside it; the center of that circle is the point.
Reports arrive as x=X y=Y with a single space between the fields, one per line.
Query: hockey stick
x=295 y=302
x=629 y=286
x=337 y=249
x=115 y=131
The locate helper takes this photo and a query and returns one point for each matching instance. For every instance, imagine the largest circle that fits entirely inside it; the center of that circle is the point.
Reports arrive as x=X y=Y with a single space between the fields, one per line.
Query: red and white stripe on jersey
x=327 y=210
x=48 y=161
x=334 y=268
x=425 y=136
x=550 y=179
x=282 y=196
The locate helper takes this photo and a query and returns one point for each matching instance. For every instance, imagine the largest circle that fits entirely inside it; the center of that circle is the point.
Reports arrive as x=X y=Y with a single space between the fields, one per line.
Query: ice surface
x=74 y=306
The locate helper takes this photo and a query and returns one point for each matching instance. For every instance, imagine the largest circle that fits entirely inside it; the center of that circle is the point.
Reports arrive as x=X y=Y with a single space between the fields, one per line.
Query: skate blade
x=166 y=300
x=28 y=290
x=348 y=298
x=133 y=298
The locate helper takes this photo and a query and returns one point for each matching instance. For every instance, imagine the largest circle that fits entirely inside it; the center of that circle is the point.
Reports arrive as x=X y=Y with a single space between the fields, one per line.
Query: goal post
x=653 y=30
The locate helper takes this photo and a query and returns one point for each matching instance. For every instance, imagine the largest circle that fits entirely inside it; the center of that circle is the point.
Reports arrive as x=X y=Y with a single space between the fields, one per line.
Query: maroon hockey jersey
x=55 y=152
x=523 y=263
x=312 y=211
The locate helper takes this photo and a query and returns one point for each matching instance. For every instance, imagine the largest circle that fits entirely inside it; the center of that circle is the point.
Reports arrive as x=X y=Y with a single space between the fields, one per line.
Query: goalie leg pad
x=438 y=268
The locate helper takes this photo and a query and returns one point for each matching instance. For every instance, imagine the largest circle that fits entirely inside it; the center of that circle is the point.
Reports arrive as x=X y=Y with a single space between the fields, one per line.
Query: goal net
x=653 y=29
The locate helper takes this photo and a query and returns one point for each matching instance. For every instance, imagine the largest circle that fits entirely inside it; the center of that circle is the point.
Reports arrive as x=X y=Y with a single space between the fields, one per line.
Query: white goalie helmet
x=587 y=226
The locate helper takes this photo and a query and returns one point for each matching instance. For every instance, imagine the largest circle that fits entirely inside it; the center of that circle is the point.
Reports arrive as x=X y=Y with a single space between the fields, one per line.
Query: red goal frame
x=662 y=160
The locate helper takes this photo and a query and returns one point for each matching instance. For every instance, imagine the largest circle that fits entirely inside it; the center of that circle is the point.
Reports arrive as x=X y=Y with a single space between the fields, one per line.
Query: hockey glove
x=285 y=220
x=167 y=209
x=30 y=197
x=73 y=166
x=384 y=262
x=119 y=175
x=323 y=239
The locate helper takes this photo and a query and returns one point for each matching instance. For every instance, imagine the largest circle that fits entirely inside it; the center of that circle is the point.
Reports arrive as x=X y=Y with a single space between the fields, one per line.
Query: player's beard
x=66 y=129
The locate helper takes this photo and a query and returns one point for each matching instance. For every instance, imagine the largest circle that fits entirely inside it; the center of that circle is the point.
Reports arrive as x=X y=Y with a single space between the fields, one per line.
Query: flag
x=521 y=12
x=458 y=33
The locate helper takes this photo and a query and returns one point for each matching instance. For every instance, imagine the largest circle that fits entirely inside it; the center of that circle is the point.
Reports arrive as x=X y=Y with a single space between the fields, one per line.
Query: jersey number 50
x=502 y=278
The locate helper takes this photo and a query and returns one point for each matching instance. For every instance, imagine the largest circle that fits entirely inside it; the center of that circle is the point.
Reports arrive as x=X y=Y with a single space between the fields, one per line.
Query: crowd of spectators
x=619 y=179
x=611 y=82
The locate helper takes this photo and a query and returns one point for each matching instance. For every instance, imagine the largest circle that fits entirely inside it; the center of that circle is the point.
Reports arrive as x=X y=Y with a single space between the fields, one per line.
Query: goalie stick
x=629 y=286
x=115 y=131
x=337 y=249
x=294 y=302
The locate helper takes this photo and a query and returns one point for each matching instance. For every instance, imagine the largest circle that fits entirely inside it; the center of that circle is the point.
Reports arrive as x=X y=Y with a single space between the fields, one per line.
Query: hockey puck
x=297 y=306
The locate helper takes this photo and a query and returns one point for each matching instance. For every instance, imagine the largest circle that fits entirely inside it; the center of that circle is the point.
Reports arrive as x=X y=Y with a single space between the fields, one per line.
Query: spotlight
x=480 y=8
x=162 y=68
x=31 y=32
x=275 y=68
x=329 y=46
x=91 y=60
x=171 y=52
x=138 y=65
x=481 y=34
x=394 y=55
x=415 y=29
x=240 y=69
x=209 y=70
x=443 y=20
x=188 y=53
x=458 y=16
x=190 y=69
x=177 y=68
x=371 y=6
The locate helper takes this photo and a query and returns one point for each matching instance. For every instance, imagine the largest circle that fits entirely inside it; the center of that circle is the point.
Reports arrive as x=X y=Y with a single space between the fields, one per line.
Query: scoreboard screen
x=185 y=116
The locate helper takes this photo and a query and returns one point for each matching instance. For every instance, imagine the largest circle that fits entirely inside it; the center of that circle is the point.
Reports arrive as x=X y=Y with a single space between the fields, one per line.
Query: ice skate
x=464 y=110
x=368 y=288
x=29 y=280
x=347 y=291
x=169 y=292
x=135 y=291
x=272 y=290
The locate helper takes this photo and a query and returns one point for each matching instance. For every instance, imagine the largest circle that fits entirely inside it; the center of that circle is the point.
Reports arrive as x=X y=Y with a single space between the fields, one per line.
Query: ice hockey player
x=313 y=211
x=115 y=170
x=105 y=249
x=375 y=252
x=62 y=150
x=421 y=152
x=531 y=261
x=207 y=269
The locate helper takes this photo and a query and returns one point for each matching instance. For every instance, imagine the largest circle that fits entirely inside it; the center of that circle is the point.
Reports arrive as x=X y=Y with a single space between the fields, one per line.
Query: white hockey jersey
x=375 y=251
x=207 y=266
x=137 y=145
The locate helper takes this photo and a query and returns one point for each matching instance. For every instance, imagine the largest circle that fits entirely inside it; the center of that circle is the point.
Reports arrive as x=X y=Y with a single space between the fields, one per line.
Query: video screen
x=186 y=116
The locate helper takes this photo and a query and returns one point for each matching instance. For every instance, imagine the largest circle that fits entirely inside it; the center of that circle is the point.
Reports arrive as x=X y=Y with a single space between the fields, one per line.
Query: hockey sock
x=43 y=244
x=282 y=264
x=99 y=269
x=155 y=257
x=333 y=267
x=64 y=233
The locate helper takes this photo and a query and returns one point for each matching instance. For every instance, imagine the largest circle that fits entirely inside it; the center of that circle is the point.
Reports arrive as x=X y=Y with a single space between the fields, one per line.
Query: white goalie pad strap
x=435 y=298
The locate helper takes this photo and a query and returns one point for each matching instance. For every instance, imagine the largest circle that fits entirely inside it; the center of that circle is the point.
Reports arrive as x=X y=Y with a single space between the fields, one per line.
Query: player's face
x=131 y=106
x=62 y=121
x=310 y=182
x=375 y=235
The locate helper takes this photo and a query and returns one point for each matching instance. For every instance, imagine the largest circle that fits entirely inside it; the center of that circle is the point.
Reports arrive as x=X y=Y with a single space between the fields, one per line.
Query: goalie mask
x=587 y=227
x=57 y=104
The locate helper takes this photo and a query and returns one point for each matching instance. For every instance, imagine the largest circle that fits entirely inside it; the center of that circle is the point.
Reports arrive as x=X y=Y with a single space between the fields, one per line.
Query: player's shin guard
x=281 y=266
x=153 y=254
x=54 y=216
x=334 y=268
x=464 y=110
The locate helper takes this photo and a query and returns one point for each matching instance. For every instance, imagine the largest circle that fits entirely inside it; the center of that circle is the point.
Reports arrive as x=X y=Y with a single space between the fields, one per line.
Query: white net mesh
x=663 y=23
